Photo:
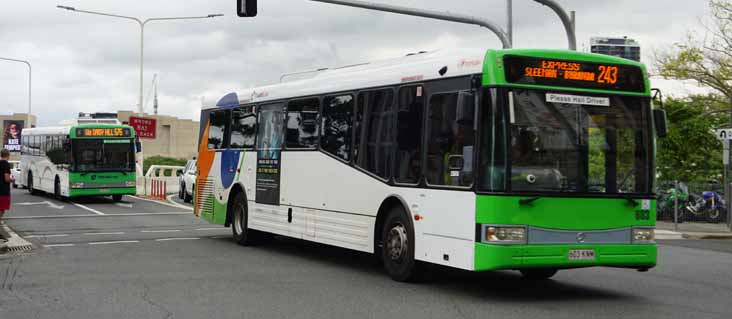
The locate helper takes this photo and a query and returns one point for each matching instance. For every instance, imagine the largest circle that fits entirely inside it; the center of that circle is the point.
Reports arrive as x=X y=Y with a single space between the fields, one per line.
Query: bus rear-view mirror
x=659 y=121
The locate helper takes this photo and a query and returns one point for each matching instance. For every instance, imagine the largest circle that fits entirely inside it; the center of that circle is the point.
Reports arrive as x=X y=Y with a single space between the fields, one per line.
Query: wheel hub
x=397 y=242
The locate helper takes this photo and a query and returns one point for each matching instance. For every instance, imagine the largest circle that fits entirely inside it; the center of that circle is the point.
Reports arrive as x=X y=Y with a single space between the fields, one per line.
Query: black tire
x=240 y=223
x=182 y=191
x=538 y=273
x=31 y=190
x=397 y=251
x=117 y=198
x=715 y=215
x=57 y=188
x=187 y=198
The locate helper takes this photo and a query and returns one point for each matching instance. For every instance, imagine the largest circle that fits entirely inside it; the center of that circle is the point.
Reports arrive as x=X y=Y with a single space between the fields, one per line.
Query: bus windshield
x=92 y=155
x=577 y=143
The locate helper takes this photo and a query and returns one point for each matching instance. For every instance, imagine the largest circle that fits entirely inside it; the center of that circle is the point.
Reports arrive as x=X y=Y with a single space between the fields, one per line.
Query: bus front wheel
x=538 y=273
x=397 y=253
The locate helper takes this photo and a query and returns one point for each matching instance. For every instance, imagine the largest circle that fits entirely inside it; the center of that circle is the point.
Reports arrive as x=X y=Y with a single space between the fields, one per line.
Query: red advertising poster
x=144 y=127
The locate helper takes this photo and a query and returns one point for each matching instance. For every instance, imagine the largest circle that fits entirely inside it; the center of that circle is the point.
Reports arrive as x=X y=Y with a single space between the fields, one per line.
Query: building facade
x=620 y=47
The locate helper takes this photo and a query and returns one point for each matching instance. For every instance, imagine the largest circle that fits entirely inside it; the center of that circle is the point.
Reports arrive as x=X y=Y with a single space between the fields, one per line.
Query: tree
x=691 y=152
x=707 y=60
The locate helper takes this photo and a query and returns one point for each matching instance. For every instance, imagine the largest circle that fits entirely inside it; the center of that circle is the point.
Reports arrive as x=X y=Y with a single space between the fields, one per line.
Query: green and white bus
x=86 y=157
x=531 y=160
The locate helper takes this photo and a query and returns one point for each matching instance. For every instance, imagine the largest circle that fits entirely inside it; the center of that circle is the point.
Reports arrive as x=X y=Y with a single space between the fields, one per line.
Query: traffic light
x=246 y=8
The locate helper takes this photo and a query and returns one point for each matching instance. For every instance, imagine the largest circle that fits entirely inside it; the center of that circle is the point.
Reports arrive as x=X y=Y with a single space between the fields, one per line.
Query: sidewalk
x=14 y=242
x=692 y=230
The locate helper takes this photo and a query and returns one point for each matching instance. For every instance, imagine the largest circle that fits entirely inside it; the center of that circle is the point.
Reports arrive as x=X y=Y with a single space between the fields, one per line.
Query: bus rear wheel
x=240 y=224
x=57 y=188
x=31 y=190
x=117 y=198
x=538 y=273
x=397 y=253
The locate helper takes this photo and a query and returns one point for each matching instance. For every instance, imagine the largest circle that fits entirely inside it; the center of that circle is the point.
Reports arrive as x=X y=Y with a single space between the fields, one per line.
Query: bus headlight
x=644 y=235
x=77 y=185
x=504 y=234
x=130 y=183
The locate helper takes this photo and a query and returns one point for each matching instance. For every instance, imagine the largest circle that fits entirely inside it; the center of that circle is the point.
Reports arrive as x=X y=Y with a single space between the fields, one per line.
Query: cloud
x=89 y=63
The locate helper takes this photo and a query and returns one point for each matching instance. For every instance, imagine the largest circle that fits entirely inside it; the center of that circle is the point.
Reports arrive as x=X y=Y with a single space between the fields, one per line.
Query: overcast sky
x=87 y=63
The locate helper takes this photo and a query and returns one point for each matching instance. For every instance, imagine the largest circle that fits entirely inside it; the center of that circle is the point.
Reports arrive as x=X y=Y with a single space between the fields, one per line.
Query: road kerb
x=706 y=236
x=14 y=243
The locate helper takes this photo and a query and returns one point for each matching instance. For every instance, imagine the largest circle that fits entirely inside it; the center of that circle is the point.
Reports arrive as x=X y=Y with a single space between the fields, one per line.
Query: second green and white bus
x=532 y=160
x=85 y=157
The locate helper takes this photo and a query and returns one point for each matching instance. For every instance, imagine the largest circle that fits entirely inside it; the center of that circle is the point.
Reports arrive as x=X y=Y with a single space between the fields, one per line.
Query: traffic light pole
x=447 y=16
x=505 y=38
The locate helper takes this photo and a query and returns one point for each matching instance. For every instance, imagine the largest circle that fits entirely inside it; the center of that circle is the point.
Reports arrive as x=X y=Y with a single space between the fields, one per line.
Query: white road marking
x=182 y=238
x=219 y=228
x=114 y=242
x=107 y=215
x=50 y=204
x=123 y=205
x=176 y=205
x=46 y=236
x=161 y=231
x=89 y=209
x=58 y=245
x=114 y=233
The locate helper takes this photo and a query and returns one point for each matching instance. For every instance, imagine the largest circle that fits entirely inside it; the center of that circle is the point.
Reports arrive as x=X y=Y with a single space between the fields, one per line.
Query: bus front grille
x=204 y=197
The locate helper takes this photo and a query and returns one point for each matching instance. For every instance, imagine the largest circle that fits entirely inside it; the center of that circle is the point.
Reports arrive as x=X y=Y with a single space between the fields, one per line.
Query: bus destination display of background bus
x=103 y=132
x=586 y=75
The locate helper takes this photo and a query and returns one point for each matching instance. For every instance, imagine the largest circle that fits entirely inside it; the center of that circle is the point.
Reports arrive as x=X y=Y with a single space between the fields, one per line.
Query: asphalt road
x=147 y=260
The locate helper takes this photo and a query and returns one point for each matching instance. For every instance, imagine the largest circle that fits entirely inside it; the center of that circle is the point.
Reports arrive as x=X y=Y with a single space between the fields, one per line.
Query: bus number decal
x=608 y=74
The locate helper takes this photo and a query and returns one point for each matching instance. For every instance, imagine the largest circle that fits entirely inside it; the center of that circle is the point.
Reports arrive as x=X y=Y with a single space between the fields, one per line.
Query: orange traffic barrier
x=158 y=189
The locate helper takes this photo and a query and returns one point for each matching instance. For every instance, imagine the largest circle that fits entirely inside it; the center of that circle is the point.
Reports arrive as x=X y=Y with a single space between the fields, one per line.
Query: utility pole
x=509 y=20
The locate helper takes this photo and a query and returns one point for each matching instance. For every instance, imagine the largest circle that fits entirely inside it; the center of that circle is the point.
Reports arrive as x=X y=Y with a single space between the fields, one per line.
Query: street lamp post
x=142 y=24
x=30 y=78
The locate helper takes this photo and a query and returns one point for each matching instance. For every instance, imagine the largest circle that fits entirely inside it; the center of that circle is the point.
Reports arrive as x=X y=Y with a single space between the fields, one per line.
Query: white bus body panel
x=333 y=203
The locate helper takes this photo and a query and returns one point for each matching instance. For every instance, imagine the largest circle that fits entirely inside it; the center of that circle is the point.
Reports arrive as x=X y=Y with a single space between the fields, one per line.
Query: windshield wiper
x=528 y=201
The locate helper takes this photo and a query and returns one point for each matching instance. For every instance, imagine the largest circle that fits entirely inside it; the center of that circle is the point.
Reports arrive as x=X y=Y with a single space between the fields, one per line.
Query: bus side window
x=302 y=124
x=409 y=134
x=377 y=147
x=243 y=128
x=337 y=125
x=218 y=123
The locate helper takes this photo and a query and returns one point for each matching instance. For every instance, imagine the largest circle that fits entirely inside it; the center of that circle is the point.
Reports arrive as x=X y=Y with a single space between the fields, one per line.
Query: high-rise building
x=621 y=47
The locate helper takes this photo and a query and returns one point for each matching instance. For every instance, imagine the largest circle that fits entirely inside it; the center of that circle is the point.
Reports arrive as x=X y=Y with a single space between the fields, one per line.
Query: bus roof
x=408 y=69
x=414 y=68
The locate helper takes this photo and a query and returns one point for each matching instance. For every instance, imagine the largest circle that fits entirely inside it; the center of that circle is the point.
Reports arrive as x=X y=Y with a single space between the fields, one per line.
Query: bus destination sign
x=103 y=132
x=578 y=74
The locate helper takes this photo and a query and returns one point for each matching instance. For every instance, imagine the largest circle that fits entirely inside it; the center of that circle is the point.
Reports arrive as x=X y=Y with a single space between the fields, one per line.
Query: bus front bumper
x=75 y=192
x=493 y=257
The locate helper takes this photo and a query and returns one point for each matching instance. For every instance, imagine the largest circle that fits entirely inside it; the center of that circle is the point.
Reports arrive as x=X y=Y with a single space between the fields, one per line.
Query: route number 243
x=608 y=74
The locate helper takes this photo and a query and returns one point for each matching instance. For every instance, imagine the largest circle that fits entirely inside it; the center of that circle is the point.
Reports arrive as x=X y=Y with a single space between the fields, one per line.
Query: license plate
x=105 y=190
x=581 y=254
